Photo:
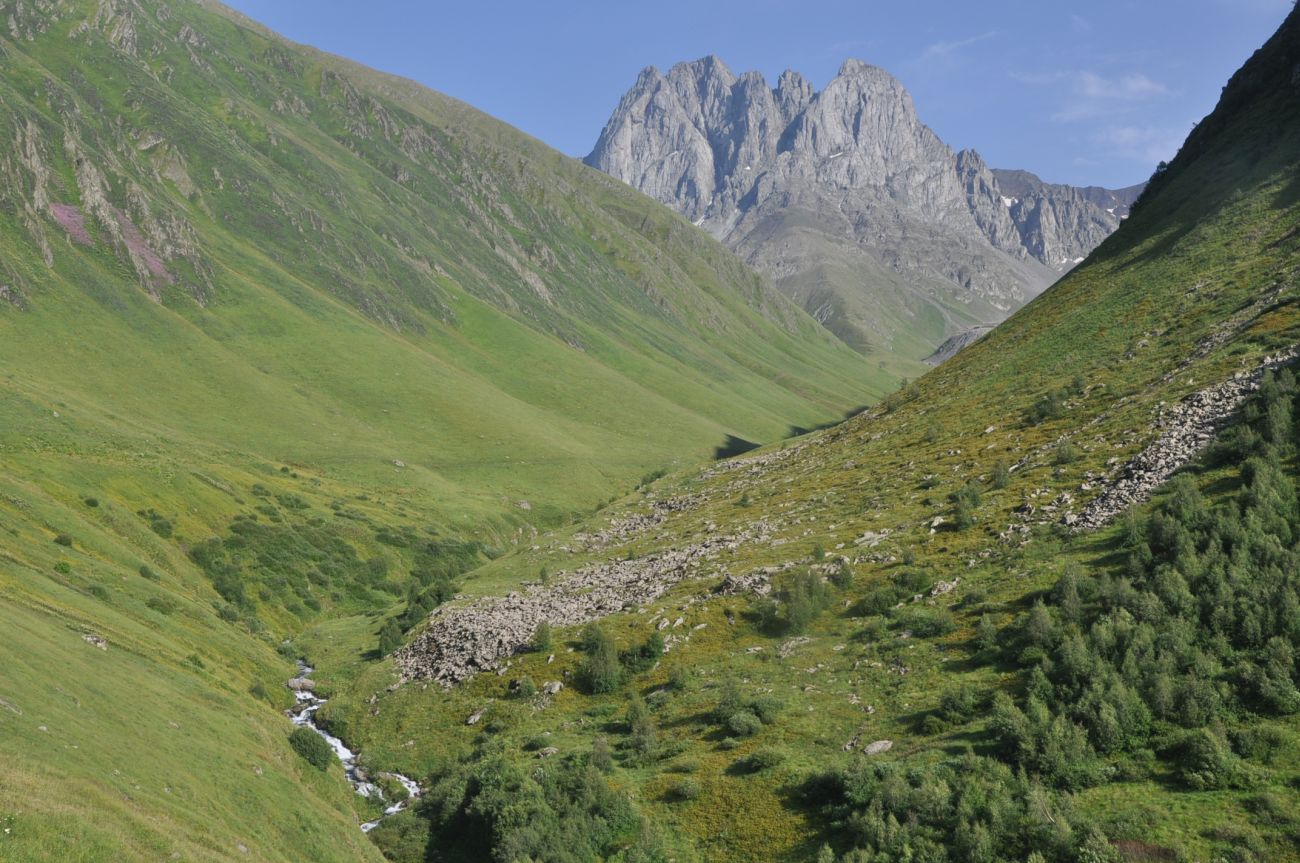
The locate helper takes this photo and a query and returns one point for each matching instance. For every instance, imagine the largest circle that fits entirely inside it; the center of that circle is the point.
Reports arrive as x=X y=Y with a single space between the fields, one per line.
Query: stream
x=303 y=713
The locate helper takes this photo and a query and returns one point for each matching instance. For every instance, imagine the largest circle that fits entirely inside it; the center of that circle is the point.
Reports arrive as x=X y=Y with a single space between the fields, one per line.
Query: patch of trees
x=1198 y=628
x=558 y=810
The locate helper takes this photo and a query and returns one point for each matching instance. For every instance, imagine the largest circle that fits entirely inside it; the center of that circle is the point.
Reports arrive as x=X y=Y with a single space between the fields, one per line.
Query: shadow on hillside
x=734 y=446
x=796 y=431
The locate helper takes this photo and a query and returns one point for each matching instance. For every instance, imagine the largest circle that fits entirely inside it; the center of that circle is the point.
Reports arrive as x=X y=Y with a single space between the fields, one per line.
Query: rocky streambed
x=303 y=714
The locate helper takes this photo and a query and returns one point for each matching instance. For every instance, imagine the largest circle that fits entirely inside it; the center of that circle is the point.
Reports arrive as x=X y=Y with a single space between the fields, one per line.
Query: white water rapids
x=303 y=713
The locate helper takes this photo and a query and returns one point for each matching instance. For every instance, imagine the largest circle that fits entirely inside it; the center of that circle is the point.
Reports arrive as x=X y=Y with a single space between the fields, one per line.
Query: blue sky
x=1084 y=93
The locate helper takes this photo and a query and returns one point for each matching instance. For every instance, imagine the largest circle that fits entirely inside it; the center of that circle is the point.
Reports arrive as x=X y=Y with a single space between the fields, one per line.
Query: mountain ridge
x=851 y=204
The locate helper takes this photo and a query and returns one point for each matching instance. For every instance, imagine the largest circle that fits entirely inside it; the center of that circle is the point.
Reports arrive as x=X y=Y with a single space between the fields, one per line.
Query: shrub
x=743 y=723
x=600 y=670
x=760 y=760
x=965 y=501
x=390 y=637
x=64 y=540
x=1049 y=406
x=602 y=757
x=91 y=502
x=160 y=604
x=1001 y=474
x=312 y=747
x=1066 y=453
x=643 y=657
x=63 y=567
x=685 y=788
x=925 y=622
x=146 y=572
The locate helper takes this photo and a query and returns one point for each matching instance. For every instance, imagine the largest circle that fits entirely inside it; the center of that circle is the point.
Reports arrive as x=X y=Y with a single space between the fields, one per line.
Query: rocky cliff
x=848 y=201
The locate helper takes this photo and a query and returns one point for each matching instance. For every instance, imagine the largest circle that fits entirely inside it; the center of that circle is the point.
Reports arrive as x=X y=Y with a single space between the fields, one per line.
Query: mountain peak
x=746 y=162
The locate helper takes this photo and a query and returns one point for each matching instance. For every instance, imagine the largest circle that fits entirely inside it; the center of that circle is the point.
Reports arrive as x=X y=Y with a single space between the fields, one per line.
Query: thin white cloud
x=937 y=50
x=1147 y=144
x=1092 y=95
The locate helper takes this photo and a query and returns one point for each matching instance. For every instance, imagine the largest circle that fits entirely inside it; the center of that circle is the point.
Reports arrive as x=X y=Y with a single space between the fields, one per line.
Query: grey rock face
x=848 y=201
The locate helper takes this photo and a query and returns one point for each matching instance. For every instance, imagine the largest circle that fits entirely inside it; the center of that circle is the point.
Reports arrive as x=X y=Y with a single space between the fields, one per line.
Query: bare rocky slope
x=849 y=202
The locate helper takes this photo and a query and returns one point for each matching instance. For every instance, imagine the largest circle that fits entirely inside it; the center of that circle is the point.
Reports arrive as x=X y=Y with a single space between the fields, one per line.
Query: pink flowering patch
x=136 y=243
x=71 y=219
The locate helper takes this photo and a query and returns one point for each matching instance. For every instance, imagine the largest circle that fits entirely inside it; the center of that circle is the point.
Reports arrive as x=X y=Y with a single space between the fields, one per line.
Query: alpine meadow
x=380 y=483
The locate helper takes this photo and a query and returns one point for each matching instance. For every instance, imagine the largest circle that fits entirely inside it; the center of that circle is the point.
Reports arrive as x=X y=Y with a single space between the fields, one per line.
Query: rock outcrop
x=848 y=201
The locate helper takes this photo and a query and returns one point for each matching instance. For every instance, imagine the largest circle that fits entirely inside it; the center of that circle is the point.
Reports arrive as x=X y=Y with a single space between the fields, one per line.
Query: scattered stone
x=1187 y=428
x=97 y=640
x=547 y=752
x=474 y=717
x=551 y=687
x=879 y=747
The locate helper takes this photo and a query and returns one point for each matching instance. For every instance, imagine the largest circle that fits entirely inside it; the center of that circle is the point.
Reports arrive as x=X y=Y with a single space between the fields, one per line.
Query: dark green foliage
x=760 y=760
x=62 y=567
x=685 y=788
x=312 y=747
x=296 y=564
x=933 y=432
x=805 y=596
x=1049 y=406
x=900 y=587
x=555 y=811
x=600 y=670
x=161 y=604
x=968 y=808
x=158 y=523
x=1065 y=453
x=643 y=656
x=147 y=572
x=924 y=621
x=743 y=723
x=965 y=501
x=640 y=727
x=986 y=634
x=542 y=638
x=1001 y=474
x=602 y=757
x=91 y=502
x=390 y=637
x=1200 y=625
x=64 y=540
x=842 y=575
x=1205 y=762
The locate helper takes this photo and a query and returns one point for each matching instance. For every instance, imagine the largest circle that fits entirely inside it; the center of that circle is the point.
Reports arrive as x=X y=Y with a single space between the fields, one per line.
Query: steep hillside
x=956 y=627
x=285 y=338
x=848 y=201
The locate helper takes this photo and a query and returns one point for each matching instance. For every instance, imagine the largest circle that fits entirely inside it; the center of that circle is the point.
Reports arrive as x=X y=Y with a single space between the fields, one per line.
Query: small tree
x=542 y=638
x=312 y=747
x=641 y=726
x=600 y=671
x=390 y=637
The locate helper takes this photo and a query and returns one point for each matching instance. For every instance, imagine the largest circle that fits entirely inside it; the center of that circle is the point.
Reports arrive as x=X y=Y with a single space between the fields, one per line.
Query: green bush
x=312 y=747
x=390 y=637
x=600 y=670
x=743 y=723
x=64 y=540
x=684 y=789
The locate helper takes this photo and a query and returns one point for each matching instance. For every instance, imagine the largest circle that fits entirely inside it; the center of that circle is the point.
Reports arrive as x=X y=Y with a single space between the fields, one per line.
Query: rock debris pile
x=467 y=638
x=1188 y=428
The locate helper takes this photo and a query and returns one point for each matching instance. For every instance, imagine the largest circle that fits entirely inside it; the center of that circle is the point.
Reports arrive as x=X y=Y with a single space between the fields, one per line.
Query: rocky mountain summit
x=849 y=202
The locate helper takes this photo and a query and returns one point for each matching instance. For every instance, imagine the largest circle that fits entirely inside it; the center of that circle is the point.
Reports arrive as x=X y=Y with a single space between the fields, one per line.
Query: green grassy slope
x=350 y=329
x=1198 y=285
